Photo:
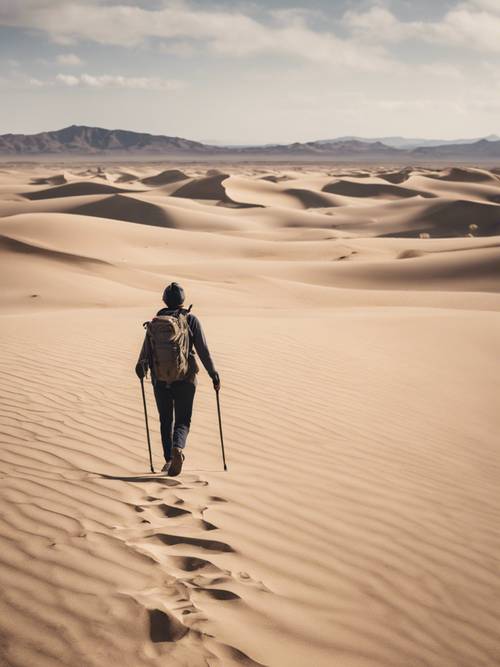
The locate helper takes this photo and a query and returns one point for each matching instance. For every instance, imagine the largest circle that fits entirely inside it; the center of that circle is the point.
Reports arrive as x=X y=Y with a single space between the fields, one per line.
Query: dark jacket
x=197 y=343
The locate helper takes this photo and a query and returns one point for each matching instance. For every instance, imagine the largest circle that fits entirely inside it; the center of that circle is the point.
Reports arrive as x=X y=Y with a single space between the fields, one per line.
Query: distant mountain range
x=409 y=143
x=80 y=140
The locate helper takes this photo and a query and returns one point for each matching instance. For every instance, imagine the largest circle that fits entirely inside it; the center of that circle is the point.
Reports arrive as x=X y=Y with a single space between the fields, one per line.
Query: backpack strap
x=191 y=334
x=149 y=351
x=184 y=310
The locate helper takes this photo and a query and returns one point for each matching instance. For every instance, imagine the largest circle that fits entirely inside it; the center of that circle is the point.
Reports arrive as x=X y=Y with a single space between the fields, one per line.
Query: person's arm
x=201 y=347
x=142 y=365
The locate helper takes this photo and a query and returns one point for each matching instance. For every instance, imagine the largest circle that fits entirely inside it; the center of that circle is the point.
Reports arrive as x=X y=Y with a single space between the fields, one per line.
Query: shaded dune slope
x=374 y=190
x=310 y=198
x=466 y=270
x=165 y=177
x=396 y=177
x=126 y=177
x=74 y=189
x=58 y=179
x=158 y=213
x=273 y=178
x=464 y=175
x=209 y=187
x=447 y=219
x=22 y=247
x=120 y=207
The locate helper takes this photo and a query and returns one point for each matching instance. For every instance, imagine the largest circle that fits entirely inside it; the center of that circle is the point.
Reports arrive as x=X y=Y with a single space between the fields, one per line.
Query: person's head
x=173 y=296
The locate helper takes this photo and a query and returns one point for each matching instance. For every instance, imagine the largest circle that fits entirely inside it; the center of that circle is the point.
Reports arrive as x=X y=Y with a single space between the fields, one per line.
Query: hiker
x=168 y=352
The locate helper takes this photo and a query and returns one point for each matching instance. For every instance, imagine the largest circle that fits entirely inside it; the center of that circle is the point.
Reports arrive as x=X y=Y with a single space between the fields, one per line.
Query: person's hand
x=216 y=381
x=140 y=370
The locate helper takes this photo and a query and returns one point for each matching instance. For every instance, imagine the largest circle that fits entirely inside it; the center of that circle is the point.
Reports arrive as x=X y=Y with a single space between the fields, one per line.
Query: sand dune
x=273 y=178
x=58 y=179
x=165 y=177
x=209 y=187
x=372 y=190
x=266 y=193
x=453 y=218
x=357 y=523
x=465 y=175
x=311 y=199
x=73 y=190
x=396 y=177
x=126 y=177
x=120 y=207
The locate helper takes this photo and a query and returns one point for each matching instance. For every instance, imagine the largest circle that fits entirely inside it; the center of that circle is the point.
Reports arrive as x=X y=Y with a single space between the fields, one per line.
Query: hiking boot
x=166 y=466
x=177 y=461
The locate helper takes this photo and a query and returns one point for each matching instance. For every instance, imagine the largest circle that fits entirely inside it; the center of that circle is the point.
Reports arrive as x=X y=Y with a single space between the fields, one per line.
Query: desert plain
x=353 y=315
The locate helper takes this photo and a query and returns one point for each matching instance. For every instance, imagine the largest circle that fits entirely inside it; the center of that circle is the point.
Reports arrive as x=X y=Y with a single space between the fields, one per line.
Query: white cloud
x=68 y=79
x=36 y=83
x=473 y=25
x=69 y=59
x=490 y=5
x=378 y=24
x=117 y=81
x=465 y=26
x=223 y=31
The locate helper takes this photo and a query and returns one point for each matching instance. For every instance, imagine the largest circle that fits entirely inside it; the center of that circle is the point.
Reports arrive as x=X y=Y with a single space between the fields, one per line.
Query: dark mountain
x=80 y=140
x=351 y=146
x=317 y=148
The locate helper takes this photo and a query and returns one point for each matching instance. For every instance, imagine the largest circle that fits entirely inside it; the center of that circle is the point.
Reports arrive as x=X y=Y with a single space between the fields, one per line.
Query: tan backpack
x=168 y=346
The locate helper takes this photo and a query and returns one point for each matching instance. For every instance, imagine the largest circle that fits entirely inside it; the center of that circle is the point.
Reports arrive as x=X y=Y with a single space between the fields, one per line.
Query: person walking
x=168 y=352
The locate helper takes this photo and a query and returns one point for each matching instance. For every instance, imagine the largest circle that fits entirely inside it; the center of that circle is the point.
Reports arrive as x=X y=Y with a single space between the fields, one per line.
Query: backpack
x=167 y=338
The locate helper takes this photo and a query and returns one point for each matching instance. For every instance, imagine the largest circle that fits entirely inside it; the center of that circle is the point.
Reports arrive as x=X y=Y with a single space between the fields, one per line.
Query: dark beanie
x=173 y=295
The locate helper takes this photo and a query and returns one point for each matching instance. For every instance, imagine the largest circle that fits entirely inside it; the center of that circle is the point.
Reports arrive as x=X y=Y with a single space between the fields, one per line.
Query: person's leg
x=165 y=405
x=183 y=393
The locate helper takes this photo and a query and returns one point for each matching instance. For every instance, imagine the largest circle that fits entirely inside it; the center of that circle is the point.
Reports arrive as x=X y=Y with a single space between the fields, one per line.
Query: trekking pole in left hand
x=147 y=425
x=220 y=429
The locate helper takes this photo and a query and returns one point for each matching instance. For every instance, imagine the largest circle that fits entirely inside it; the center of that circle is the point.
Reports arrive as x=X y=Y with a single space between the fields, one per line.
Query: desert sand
x=353 y=315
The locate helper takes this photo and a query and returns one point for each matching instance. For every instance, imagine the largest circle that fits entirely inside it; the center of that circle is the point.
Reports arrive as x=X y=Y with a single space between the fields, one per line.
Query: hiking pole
x=220 y=429
x=147 y=425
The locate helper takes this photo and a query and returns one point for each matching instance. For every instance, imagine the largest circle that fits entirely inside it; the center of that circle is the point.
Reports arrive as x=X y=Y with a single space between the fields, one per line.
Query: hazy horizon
x=221 y=143
x=253 y=73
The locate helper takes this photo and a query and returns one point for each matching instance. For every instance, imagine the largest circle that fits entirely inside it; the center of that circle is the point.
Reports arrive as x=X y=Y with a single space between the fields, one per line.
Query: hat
x=173 y=295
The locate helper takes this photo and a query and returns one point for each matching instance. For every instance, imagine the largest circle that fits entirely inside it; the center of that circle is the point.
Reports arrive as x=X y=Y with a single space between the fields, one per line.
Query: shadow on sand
x=148 y=477
x=154 y=477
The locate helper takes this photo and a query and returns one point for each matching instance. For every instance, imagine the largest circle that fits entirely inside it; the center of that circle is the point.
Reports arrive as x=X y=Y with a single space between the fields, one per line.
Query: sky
x=252 y=71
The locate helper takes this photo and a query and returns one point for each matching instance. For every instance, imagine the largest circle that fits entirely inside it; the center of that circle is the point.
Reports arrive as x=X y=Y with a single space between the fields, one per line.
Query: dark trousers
x=174 y=400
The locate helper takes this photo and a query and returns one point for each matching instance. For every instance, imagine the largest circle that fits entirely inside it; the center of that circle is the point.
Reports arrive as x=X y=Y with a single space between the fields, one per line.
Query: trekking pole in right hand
x=147 y=425
x=217 y=388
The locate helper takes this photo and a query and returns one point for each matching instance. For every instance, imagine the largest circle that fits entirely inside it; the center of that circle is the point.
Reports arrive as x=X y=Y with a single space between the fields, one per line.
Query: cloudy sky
x=252 y=71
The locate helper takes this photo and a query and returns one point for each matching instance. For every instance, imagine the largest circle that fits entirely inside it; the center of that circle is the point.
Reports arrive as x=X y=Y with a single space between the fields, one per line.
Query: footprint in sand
x=173 y=522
